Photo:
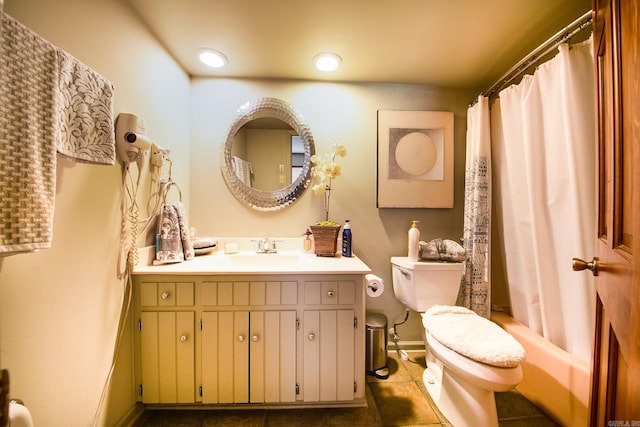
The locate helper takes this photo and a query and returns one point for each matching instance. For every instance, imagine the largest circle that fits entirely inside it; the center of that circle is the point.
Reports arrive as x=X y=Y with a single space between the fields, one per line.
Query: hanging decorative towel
x=44 y=109
x=85 y=112
x=187 y=246
x=28 y=70
x=173 y=232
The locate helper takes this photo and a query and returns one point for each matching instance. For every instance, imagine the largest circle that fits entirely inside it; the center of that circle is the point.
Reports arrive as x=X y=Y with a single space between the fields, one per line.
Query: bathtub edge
x=554 y=380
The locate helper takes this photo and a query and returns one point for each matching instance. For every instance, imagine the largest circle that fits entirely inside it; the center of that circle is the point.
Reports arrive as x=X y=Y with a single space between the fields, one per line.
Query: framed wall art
x=415 y=159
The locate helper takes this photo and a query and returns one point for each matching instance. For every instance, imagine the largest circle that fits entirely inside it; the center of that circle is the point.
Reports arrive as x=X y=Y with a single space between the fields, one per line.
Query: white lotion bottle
x=414 y=241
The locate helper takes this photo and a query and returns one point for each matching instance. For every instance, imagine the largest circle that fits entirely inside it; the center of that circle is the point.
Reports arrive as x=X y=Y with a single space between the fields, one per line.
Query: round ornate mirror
x=266 y=156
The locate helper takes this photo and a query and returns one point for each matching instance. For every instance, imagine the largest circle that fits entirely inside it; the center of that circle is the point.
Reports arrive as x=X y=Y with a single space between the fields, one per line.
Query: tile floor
x=400 y=400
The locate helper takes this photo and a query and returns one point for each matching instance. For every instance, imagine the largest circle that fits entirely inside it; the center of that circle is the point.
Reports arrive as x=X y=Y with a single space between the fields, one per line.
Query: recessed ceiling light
x=327 y=61
x=212 y=58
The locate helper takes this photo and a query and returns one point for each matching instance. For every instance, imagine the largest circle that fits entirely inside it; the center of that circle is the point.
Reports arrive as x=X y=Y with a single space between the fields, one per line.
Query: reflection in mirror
x=266 y=155
x=263 y=154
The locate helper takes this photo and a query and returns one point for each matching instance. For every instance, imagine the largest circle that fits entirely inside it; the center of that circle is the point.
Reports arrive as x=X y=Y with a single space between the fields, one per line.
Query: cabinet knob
x=312 y=336
x=255 y=338
x=164 y=295
x=184 y=337
x=240 y=338
x=331 y=294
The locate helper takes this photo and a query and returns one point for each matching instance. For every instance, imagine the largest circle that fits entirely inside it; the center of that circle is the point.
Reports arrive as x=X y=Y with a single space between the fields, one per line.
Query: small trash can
x=376 y=343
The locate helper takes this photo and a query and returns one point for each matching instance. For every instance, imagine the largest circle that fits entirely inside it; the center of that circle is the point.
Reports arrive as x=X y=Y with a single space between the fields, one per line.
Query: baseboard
x=133 y=418
x=406 y=346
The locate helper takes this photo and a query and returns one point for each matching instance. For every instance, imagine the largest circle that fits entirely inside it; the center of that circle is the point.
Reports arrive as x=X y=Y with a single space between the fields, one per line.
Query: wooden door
x=615 y=392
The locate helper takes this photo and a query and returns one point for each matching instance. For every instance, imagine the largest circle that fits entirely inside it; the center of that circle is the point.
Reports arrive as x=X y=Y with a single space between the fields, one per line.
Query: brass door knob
x=578 y=265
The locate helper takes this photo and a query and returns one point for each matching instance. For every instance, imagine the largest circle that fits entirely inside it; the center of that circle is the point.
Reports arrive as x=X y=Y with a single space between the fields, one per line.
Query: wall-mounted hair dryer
x=131 y=141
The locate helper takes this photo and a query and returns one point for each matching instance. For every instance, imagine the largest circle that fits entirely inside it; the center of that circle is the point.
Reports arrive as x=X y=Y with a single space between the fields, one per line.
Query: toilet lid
x=473 y=336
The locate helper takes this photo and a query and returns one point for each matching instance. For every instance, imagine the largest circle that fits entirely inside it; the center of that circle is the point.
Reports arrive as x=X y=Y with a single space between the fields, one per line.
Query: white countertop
x=249 y=262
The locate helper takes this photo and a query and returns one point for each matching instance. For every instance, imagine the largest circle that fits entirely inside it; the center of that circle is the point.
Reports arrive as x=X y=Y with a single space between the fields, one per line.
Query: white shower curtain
x=475 y=286
x=544 y=165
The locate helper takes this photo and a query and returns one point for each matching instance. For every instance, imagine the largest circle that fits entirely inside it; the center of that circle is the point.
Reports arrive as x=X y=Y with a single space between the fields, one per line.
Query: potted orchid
x=325 y=169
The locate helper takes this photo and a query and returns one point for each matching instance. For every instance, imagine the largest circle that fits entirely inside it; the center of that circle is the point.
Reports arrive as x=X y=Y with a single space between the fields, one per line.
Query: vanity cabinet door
x=272 y=367
x=328 y=355
x=248 y=357
x=225 y=357
x=167 y=353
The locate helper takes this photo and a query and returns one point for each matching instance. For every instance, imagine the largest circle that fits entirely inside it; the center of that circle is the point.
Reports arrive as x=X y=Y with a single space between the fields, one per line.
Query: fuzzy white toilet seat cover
x=473 y=336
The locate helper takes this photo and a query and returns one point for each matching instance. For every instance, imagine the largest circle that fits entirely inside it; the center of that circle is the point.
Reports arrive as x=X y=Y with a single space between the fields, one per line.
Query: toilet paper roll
x=19 y=415
x=375 y=285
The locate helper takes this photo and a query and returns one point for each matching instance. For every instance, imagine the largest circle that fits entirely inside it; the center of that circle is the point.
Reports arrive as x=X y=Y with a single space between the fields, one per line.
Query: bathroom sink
x=259 y=260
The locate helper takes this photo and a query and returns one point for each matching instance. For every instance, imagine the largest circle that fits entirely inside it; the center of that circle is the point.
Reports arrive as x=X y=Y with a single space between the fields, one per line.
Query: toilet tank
x=421 y=284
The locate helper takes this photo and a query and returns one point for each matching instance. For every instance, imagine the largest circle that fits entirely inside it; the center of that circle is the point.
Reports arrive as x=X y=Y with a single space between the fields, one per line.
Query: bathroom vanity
x=274 y=330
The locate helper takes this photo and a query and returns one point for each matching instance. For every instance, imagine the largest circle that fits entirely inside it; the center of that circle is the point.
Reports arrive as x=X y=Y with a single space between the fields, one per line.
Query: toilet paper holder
x=374 y=285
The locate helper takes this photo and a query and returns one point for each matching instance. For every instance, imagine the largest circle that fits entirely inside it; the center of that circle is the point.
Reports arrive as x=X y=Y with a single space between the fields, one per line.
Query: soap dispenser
x=307 y=240
x=414 y=241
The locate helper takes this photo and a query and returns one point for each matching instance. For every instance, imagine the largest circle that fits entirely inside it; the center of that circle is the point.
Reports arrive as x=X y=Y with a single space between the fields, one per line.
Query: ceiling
x=445 y=43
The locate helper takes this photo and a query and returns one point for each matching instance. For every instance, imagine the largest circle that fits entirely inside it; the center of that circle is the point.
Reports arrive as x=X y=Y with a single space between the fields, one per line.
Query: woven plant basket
x=325 y=238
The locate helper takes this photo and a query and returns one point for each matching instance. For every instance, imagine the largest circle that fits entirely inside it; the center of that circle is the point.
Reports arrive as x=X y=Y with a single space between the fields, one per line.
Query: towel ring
x=166 y=189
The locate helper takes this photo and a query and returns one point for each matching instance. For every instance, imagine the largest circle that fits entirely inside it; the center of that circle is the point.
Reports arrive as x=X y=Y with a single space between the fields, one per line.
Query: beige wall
x=59 y=307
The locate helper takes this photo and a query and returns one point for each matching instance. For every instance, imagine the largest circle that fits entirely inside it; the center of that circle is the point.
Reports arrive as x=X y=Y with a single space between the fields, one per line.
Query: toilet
x=468 y=357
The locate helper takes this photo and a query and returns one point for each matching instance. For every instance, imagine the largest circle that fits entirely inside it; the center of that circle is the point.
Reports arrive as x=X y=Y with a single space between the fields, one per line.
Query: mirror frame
x=259 y=199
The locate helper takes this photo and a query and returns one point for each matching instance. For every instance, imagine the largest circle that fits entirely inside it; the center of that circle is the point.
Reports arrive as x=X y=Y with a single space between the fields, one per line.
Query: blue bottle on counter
x=346 y=239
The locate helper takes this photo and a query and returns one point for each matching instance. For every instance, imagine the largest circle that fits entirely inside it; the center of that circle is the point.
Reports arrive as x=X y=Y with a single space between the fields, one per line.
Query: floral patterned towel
x=85 y=112
x=175 y=244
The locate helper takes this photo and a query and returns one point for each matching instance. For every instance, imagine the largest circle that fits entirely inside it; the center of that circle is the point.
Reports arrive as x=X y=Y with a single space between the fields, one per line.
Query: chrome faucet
x=267 y=246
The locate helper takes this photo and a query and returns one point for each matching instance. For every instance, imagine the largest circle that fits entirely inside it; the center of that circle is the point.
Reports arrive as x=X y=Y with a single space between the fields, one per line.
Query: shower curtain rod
x=517 y=70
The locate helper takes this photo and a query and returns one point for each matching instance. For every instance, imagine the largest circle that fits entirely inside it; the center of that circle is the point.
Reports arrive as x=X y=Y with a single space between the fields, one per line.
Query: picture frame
x=415 y=159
